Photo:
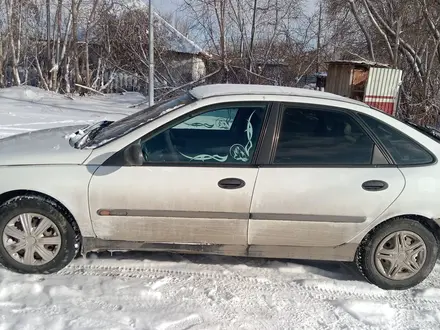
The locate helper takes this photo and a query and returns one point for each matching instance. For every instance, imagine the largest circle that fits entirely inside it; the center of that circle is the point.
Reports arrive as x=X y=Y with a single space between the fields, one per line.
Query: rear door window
x=322 y=137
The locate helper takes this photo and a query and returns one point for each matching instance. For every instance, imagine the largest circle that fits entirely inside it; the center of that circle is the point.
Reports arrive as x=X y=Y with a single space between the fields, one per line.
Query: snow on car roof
x=206 y=91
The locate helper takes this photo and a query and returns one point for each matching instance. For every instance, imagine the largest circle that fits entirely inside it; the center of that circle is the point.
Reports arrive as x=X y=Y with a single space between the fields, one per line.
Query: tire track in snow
x=329 y=290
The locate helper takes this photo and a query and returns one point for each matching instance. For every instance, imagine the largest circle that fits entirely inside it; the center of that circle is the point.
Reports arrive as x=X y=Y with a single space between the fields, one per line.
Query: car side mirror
x=133 y=154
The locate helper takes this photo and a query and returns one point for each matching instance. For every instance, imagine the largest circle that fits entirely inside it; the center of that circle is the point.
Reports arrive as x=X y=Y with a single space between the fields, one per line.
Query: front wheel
x=36 y=236
x=398 y=254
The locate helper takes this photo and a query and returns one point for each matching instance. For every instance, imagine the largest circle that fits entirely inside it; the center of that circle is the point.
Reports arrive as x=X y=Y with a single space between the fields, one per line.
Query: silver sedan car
x=240 y=170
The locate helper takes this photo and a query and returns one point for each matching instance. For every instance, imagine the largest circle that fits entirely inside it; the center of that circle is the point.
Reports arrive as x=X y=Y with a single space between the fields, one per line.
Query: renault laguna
x=239 y=170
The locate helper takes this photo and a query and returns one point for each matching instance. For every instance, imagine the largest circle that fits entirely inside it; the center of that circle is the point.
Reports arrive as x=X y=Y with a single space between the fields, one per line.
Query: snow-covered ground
x=176 y=292
x=23 y=109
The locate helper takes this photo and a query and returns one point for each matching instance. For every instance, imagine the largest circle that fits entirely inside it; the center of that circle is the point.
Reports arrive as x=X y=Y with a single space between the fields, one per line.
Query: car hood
x=42 y=147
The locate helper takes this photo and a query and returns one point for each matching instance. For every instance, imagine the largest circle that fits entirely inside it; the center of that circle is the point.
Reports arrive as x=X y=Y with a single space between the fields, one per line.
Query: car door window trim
x=382 y=148
x=268 y=139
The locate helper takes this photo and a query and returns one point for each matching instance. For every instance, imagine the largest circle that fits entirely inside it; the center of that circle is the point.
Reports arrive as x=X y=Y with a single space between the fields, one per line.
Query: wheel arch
x=429 y=223
x=5 y=197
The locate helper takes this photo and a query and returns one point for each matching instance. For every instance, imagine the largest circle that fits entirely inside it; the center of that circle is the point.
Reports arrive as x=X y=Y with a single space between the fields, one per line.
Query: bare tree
x=406 y=35
x=14 y=23
x=84 y=45
x=245 y=35
x=3 y=40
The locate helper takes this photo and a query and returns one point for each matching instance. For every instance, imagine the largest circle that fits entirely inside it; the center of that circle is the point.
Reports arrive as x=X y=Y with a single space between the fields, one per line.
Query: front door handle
x=375 y=185
x=231 y=183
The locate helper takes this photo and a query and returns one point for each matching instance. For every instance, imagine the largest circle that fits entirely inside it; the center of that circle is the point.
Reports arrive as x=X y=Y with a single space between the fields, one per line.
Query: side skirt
x=345 y=252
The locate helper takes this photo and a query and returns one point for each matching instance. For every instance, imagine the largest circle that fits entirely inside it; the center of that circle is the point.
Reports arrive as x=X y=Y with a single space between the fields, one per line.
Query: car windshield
x=127 y=124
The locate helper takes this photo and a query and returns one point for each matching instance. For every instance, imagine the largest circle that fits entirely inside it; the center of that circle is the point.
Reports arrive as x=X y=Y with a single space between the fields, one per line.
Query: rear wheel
x=36 y=236
x=398 y=254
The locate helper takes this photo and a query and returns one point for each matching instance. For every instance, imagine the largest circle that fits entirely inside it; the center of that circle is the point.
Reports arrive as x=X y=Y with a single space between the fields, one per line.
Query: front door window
x=227 y=135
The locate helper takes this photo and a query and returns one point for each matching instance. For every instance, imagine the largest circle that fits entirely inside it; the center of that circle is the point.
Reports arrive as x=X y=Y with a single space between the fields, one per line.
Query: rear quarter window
x=403 y=149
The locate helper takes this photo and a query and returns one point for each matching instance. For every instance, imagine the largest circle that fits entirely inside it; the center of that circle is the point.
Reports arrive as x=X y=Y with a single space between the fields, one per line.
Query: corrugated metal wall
x=383 y=89
x=339 y=79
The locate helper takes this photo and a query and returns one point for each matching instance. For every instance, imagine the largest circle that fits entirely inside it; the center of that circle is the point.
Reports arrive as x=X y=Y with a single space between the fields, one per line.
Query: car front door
x=325 y=182
x=194 y=187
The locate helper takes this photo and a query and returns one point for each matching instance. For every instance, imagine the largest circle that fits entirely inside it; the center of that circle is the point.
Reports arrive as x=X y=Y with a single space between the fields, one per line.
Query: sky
x=166 y=5
x=173 y=5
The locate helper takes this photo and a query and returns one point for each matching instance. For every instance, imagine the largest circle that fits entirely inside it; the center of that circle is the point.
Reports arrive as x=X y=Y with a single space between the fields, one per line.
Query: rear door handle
x=374 y=185
x=231 y=183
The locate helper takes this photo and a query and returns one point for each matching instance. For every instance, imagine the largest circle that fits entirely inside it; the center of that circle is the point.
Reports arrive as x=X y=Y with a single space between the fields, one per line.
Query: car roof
x=207 y=91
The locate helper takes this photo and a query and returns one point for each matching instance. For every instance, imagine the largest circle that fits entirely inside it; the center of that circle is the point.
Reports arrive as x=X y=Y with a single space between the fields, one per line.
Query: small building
x=376 y=84
x=186 y=59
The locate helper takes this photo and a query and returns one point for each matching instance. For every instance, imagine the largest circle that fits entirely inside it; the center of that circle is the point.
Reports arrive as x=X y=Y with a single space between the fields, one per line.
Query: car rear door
x=324 y=181
x=195 y=186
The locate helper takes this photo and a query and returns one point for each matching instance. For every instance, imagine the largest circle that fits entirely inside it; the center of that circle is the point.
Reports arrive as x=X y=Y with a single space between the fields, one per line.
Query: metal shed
x=374 y=83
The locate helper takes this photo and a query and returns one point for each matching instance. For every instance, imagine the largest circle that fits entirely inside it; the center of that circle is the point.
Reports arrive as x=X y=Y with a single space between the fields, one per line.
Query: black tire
x=365 y=257
x=49 y=209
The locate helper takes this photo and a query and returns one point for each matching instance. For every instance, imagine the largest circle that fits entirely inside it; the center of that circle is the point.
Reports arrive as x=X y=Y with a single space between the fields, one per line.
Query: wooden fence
x=121 y=80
